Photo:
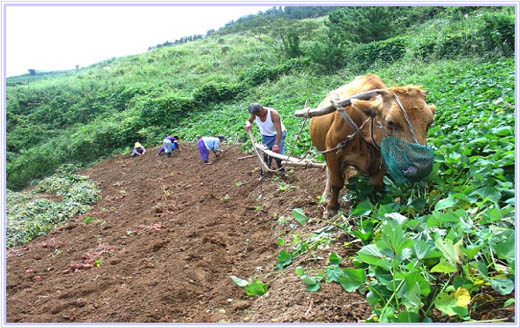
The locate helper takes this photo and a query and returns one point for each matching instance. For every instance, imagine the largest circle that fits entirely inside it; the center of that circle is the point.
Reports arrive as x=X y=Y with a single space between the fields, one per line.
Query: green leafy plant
x=256 y=288
x=225 y=197
x=285 y=187
x=29 y=216
x=299 y=216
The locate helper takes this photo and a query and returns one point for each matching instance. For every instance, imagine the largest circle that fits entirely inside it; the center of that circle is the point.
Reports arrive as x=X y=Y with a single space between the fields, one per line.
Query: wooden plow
x=286 y=160
x=307 y=113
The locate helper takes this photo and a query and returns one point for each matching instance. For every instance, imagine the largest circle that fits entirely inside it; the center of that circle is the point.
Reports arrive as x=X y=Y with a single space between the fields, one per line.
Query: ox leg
x=326 y=192
x=377 y=181
x=336 y=181
x=333 y=205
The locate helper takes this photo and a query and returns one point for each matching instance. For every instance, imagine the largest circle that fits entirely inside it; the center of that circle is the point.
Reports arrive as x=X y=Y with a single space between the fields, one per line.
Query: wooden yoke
x=307 y=112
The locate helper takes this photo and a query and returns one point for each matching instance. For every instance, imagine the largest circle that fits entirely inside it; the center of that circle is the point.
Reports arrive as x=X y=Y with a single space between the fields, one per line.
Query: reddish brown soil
x=167 y=234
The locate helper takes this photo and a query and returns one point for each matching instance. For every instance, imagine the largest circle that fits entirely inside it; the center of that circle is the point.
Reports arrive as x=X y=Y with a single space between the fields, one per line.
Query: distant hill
x=287 y=12
x=35 y=76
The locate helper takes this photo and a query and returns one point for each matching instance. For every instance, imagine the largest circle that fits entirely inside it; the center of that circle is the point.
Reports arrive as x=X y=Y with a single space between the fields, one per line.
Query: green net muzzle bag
x=406 y=162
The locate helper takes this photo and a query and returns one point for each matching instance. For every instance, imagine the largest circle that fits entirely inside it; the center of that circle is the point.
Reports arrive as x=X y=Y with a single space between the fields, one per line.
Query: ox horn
x=308 y=112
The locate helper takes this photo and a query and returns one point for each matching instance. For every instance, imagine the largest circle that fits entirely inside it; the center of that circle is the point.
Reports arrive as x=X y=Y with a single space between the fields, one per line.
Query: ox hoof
x=327 y=214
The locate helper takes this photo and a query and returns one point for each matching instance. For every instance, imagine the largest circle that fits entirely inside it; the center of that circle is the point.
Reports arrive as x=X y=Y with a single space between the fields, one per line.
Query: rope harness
x=410 y=126
x=357 y=130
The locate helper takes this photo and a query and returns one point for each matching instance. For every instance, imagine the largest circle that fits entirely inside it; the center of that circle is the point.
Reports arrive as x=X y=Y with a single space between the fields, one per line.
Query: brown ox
x=329 y=130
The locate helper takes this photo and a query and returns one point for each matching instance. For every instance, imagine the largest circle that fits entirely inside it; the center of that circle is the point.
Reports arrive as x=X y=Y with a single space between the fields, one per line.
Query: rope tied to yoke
x=357 y=130
x=345 y=142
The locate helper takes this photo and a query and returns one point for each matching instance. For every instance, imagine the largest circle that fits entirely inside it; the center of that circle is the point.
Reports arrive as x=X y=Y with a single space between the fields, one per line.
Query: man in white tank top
x=272 y=129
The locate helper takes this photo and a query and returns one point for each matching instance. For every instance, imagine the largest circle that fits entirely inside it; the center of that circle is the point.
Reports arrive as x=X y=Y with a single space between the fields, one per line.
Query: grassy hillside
x=104 y=108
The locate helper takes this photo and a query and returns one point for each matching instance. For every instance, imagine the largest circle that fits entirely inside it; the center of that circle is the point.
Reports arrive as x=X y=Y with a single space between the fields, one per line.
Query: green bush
x=88 y=143
x=120 y=97
x=498 y=33
x=260 y=73
x=327 y=55
x=386 y=51
x=33 y=163
x=216 y=92
x=165 y=110
x=418 y=14
x=494 y=37
x=363 y=24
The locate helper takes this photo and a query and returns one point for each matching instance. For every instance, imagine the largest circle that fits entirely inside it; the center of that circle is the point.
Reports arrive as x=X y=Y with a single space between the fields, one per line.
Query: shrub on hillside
x=34 y=163
x=102 y=141
x=494 y=37
x=216 y=92
x=498 y=33
x=260 y=73
x=121 y=96
x=295 y=65
x=363 y=24
x=165 y=110
x=88 y=143
x=327 y=55
x=414 y=15
x=386 y=51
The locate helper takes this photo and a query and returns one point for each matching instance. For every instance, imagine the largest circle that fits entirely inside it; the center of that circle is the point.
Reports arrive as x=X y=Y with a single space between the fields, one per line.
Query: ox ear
x=433 y=108
x=369 y=107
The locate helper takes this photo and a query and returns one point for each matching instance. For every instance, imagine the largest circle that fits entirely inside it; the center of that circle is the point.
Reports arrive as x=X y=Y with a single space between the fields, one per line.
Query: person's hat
x=254 y=108
x=137 y=145
x=221 y=138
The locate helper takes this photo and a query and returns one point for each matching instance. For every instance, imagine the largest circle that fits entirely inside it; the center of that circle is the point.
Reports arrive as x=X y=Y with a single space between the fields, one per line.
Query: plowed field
x=164 y=240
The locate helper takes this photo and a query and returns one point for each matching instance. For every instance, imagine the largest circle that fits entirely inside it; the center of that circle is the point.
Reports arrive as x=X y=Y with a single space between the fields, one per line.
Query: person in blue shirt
x=209 y=143
x=169 y=145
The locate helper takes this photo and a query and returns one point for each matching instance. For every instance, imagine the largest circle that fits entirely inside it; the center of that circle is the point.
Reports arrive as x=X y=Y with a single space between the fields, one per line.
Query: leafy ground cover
x=49 y=203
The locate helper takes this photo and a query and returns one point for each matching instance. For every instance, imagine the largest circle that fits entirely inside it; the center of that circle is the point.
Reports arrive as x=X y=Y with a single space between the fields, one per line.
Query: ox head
x=404 y=118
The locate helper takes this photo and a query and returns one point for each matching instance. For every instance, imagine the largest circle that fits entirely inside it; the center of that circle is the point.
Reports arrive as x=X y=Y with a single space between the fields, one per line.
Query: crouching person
x=209 y=143
x=169 y=145
x=138 y=150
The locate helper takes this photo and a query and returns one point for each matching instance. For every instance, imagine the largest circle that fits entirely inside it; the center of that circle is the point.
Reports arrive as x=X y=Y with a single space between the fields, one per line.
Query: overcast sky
x=60 y=37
